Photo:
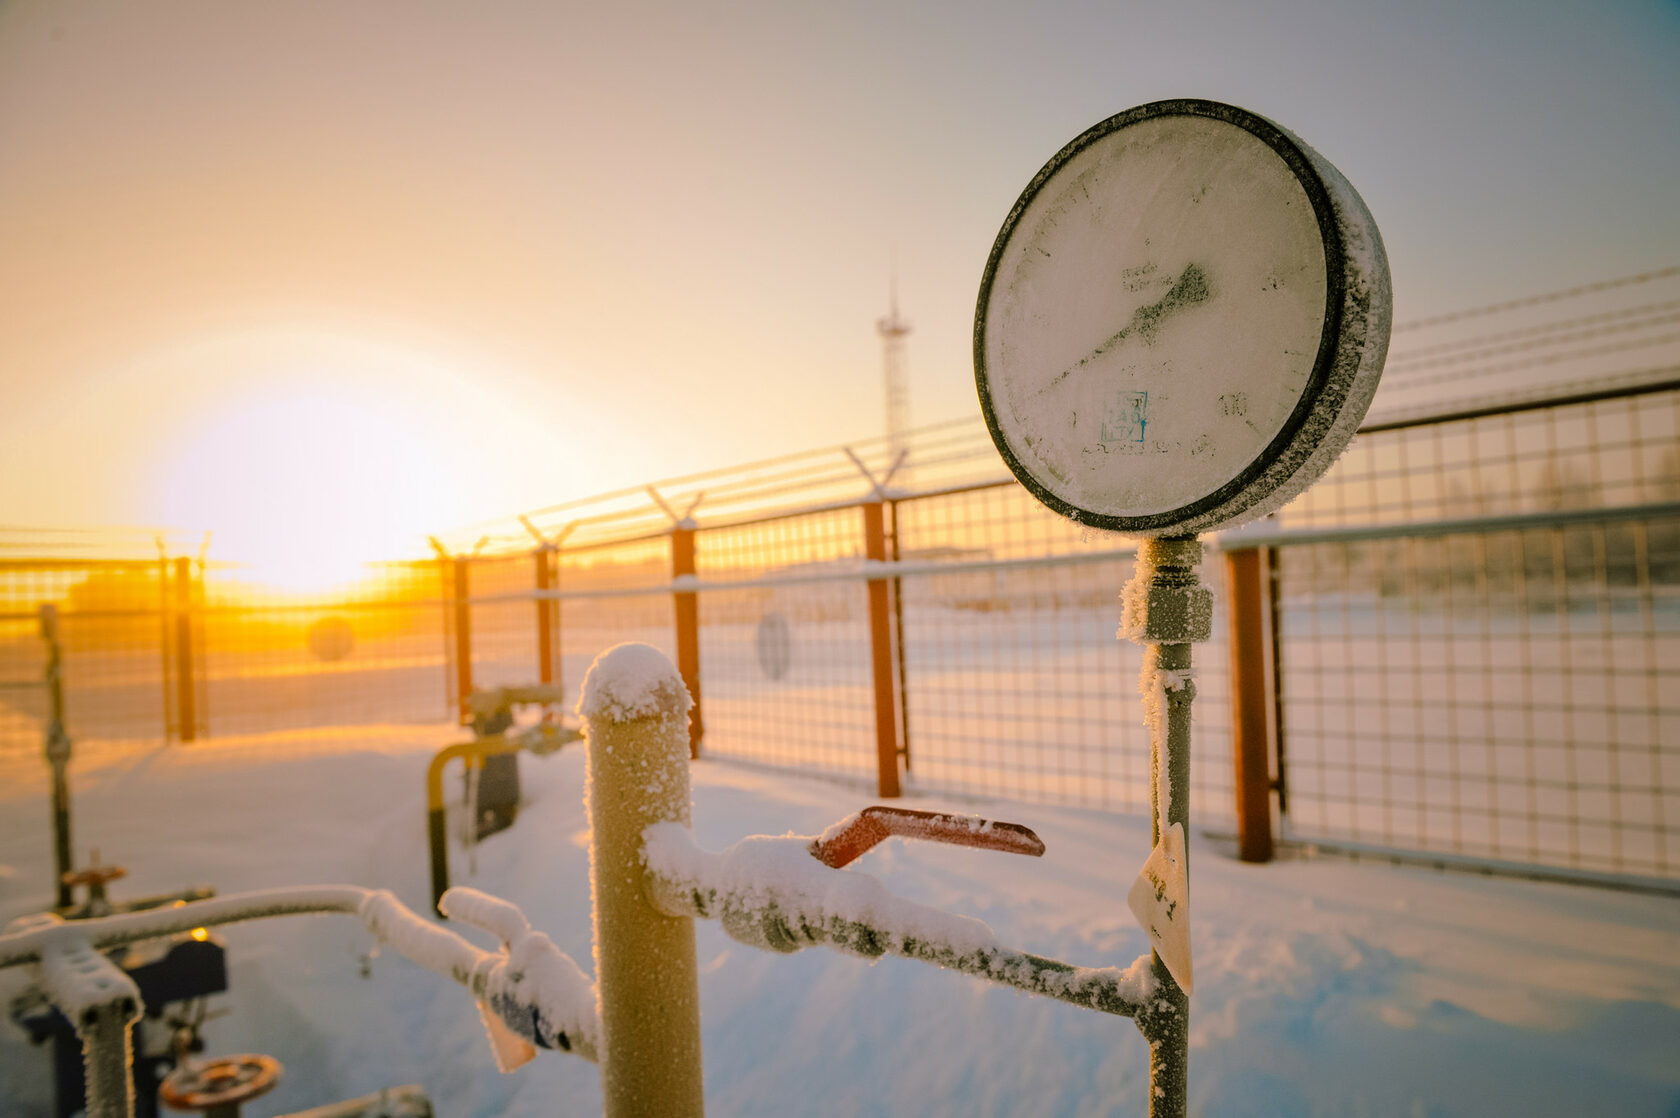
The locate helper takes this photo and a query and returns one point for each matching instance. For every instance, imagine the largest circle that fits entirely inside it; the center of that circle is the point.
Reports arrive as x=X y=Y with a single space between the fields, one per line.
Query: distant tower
x=893 y=331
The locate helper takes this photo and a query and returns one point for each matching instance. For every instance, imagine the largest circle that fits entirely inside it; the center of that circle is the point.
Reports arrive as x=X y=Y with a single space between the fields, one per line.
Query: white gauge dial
x=1161 y=314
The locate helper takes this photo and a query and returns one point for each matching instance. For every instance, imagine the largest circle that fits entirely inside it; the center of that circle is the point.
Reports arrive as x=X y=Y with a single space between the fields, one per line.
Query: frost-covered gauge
x=1182 y=321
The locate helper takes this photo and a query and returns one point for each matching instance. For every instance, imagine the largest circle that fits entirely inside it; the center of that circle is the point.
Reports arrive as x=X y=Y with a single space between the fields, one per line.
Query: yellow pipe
x=471 y=753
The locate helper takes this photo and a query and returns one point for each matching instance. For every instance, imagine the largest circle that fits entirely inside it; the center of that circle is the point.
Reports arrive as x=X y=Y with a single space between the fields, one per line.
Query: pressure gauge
x=1182 y=321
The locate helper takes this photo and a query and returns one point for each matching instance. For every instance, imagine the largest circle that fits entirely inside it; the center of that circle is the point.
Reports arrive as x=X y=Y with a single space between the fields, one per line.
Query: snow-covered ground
x=1323 y=987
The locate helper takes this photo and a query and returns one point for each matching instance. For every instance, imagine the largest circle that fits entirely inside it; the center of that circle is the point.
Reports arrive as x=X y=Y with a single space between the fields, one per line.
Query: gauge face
x=1159 y=317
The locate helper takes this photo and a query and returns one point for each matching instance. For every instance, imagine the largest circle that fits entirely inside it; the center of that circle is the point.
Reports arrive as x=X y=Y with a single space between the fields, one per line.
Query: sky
x=363 y=271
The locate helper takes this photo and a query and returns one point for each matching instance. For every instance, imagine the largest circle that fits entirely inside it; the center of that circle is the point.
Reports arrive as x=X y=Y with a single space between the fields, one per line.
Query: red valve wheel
x=226 y=1081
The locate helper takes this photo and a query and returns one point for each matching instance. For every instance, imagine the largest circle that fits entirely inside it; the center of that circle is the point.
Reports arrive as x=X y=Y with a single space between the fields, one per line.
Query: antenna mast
x=893 y=330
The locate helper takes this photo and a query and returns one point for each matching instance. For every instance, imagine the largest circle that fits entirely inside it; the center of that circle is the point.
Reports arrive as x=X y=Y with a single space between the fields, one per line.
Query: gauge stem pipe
x=1166 y=611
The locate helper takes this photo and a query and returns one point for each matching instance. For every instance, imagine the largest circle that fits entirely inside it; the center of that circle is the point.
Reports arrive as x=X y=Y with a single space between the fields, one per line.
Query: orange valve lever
x=850 y=838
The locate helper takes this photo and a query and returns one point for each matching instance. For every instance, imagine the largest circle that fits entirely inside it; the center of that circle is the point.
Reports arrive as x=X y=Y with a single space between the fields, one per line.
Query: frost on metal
x=535 y=989
x=81 y=982
x=631 y=681
x=1362 y=347
x=1163 y=604
x=529 y=971
x=1160 y=687
x=771 y=893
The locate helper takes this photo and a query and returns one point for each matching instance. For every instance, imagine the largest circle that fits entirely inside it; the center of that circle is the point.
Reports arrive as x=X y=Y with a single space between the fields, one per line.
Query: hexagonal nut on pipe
x=1172 y=615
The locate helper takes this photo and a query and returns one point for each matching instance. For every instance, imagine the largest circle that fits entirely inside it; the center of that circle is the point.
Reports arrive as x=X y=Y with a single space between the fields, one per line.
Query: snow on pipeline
x=1323 y=987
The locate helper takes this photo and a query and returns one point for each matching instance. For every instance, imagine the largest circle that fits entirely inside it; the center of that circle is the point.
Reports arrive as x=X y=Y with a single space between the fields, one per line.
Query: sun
x=307 y=454
x=308 y=459
x=304 y=482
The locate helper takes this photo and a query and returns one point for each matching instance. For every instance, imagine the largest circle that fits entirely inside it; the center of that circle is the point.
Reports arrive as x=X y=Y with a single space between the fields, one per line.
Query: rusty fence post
x=898 y=645
x=165 y=630
x=1250 y=702
x=186 y=705
x=687 y=608
x=547 y=608
x=463 y=638
x=881 y=653
x=1272 y=574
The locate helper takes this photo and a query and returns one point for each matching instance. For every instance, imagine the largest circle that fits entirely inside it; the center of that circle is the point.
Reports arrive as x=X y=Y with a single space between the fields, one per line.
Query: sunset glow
x=308 y=455
x=306 y=483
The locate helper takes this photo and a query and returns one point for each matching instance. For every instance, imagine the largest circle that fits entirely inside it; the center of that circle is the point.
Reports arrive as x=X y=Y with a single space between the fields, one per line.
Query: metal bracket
x=677 y=521
x=877 y=486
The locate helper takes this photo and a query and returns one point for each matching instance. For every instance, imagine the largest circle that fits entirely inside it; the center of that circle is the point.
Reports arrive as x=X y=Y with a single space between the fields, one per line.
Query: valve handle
x=854 y=835
x=210 y=1085
x=94 y=873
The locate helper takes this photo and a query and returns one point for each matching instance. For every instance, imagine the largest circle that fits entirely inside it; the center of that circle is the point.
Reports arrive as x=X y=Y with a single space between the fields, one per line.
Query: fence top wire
x=1592 y=341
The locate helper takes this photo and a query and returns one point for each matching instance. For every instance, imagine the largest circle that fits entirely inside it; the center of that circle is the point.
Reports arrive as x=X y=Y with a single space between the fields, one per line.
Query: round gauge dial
x=1182 y=321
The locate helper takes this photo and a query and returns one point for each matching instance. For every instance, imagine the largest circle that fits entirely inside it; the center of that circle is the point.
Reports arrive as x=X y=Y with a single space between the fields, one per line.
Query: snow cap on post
x=630 y=681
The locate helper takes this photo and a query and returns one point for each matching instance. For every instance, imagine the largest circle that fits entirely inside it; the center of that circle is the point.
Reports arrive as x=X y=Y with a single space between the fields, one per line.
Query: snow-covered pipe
x=102 y=933
x=636 y=708
x=533 y=988
x=771 y=893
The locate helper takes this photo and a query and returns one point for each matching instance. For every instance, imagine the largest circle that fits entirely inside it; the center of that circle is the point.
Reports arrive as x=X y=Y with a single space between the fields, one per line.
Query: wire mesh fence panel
x=590 y=626
x=1512 y=695
x=601 y=604
x=504 y=632
x=276 y=661
x=785 y=675
x=1016 y=683
x=23 y=695
x=1593 y=454
x=810 y=544
x=113 y=645
x=990 y=522
x=786 y=669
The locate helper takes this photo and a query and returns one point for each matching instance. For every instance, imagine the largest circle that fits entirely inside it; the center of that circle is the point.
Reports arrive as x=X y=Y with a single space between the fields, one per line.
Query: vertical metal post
x=1249 y=700
x=545 y=614
x=646 y=967
x=103 y=1003
x=463 y=639
x=898 y=648
x=58 y=754
x=186 y=708
x=881 y=655
x=687 y=607
x=171 y=724
x=1274 y=600
x=1166 y=611
x=107 y=1036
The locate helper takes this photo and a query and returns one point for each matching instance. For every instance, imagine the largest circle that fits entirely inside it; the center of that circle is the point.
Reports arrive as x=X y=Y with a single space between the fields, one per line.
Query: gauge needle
x=1191 y=288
